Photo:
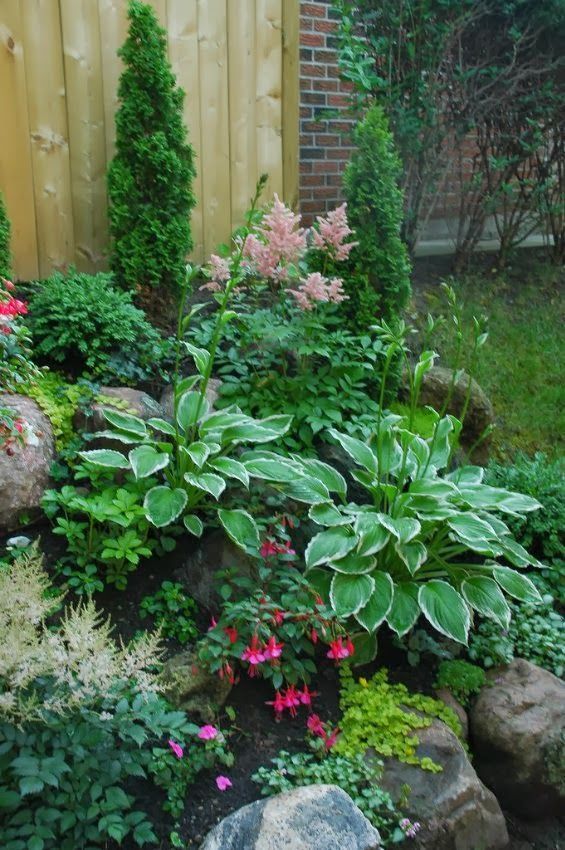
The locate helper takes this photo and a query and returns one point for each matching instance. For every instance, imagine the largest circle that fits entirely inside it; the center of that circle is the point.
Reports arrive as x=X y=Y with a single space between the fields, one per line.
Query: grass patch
x=522 y=365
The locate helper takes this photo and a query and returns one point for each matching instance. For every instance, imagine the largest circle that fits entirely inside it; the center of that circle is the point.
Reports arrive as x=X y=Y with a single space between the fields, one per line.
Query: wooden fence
x=237 y=61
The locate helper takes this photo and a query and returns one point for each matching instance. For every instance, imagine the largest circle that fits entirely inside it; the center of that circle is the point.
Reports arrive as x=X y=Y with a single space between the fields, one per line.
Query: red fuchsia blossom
x=227 y=671
x=314 y=636
x=278 y=704
x=232 y=633
x=223 y=783
x=315 y=725
x=213 y=624
x=278 y=617
x=253 y=655
x=338 y=650
x=307 y=696
x=291 y=699
x=332 y=233
x=316 y=288
x=278 y=242
x=329 y=740
x=176 y=748
x=12 y=308
x=272 y=650
x=207 y=732
x=271 y=547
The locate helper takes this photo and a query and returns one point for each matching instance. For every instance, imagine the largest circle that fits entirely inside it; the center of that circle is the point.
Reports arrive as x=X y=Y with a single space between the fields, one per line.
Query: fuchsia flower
x=213 y=624
x=278 y=617
x=329 y=740
x=272 y=650
x=223 y=783
x=176 y=748
x=232 y=633
x=207 y=733
x=331 y=233
x=314 y=636
x=306 y=696
x=12 y=308
x=253 y=654
x=338 y=651
x=7 y=283
x=315 y=725
x=279 y=241
x=291 y=698
x=278 y=704
x=271 y=547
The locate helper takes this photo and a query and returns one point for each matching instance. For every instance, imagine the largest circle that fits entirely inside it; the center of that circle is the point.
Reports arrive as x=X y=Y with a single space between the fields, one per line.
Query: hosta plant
x=426 y=540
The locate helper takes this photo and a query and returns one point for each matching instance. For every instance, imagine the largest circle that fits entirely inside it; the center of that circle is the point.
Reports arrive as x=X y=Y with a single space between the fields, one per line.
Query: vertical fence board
x=113 y=30
x=290 y=99
x=87 y=142
x=49 y=133
x=242 y=82
x=16 y=175
x=182 y=18
x=269 y=93
x=215 y=143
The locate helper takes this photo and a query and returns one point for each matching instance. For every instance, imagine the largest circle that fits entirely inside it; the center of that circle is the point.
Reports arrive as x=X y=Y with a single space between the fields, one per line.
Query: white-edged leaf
x=105 y=457
x=207 y=481
x=145 y=460
x=414 y=554
x=405 y=608
x=240 y=527
x=193 y=524
x=200 y=356
x=359 y=451
x=163 y=505
x=373 y=536
x=365 y=649
x=125 y=422
x=445 y=609
x=516 y=584
x=378 y=606
x=326 y=513
x=348 y=594
x=354 y=564
x=305 y=489
x=328 y=545
x=191 y=408
x=279 y=470
x=162 y=425
x=198 y=453
x=333 y=480
x=485 y=596
x=230 y=468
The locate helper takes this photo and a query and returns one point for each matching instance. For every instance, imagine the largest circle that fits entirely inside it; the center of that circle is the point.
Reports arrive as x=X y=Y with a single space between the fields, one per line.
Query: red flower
x=271 y=547
x=306 y=696
x=330 y=739
x=314 y=636
x=291 y=699
x=231 y=632
x=278 y=704
x=278 y=617
x=272 y=650
x=338 y=651
x=315 y=725
x=253 y=654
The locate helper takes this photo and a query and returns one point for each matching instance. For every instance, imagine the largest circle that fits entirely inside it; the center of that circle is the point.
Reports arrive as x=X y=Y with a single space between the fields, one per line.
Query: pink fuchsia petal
x=176 y=748
x=223 y=783
x=207 y=733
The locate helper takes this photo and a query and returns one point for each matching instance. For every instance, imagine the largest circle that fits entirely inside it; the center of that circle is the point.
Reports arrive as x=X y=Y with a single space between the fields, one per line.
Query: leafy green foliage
x=172 y=612
x=375 y=210
x=462 y=679
x=536 y=633
x=544 y=531
x=356 y=775
x=150 y=177
x=5 y=258
x=16 y=359
x=85 y=323
x=386 y=718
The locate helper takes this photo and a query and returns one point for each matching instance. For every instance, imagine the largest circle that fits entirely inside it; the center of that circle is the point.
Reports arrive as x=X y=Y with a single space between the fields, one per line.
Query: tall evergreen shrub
x=5 y=260
x=375 y=212
x=150 y=177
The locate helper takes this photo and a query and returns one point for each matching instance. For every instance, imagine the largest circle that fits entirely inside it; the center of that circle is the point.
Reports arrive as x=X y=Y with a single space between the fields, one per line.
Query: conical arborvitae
x=150 y=177
x=5 y=260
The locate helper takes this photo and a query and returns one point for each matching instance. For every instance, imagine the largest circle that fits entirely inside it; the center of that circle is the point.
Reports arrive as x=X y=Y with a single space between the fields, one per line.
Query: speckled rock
x=317 y=817
x=518 y=733
x=189 y=686
x=24 y=474
x=449 y=700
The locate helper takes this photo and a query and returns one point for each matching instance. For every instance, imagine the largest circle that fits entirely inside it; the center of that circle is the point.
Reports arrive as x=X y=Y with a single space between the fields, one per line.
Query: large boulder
x=316 y=817
x=199 y=566
x=127 y=400
x=24 y=471
x=189 y=686
x=518 y=733
x=212 y=392
x=453 y=807
x=480 y=414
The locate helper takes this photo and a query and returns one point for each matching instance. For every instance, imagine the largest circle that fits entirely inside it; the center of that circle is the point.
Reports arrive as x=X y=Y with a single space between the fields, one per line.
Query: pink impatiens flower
x=223 y=783
x=332 y=232
x=207 y=733
x=176 y=748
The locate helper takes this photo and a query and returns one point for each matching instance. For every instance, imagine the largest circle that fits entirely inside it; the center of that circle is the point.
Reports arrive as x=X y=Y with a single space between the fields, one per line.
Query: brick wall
x=324 y=143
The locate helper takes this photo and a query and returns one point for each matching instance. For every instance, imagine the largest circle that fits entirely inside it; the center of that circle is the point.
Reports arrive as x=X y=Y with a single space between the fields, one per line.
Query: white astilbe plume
x=79 y=662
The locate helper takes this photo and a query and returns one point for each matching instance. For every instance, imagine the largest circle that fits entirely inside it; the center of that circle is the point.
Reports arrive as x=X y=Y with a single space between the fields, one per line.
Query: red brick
x=306 y=139
x=338 y=100
x=324 y=192
x=327 y=85
x=310 y=179
x=312 y=39
x=306 y=111
x=310 y=207
x=328 y=58
x=305 y=167
x=338 y=153
x=314 y=10
x=327 y=139
x=325 y=26
x=314 y=126
x=325 y=167
x=311 y=70
x=306 y=24
x=331 y=179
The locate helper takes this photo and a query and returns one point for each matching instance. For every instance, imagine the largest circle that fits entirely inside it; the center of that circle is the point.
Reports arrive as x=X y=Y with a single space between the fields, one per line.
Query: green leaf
x=198 y=452
x=271 y=470
x=373 y=535
x=145 y=460
x=321 y=581
x=162 y=425
x=240 y=527
x=8 y=799
x=200 y=356
x=126 y=422
x=35 y=843
x=470 y=528
x=163 y=505
x=516 y=584
x=348 y=594
x=305 y=489
x=359 y=451
x=207 y=481
x=378 y=606
x=191 y=408
x=193 y=524
x=445 y=609
x=484 y=595
x=365 y=648
x=106 y=458
x=231 y=469
x=414 y=554
x=333 y=480
x=326 y=513
x=329 y=545
x=354 y=564
x=404 y=610
x=30 y=785
x=440 y=452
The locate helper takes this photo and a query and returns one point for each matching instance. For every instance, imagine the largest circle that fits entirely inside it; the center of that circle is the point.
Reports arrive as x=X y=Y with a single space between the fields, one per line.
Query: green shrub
x=462 y=679
x=377 y=716
x=542 y=532
x=82 y=322
x=536 y=633
x=5 y=260
x=375 y=213
x=172 y=611
x=150 y=178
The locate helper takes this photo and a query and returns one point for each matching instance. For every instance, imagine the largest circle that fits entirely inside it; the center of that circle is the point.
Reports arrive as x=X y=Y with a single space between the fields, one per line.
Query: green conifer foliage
x=150 y=177
x=375 y=212
x=5 y=262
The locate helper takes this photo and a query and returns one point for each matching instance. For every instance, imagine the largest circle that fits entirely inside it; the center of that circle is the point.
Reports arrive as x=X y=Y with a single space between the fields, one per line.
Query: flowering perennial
x=332 y=233
x=316 y=288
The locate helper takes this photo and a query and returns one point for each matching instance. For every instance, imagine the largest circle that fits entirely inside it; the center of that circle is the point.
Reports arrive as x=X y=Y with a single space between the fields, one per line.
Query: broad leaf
x=348 y=594
x=373 y=535
x=354 y=564
x=321 y=581
x=405 y=609
x=200 y=356
x=162 y=425
x=365 y=648
x=516 y=584
x=378 y=606
x=193 y=524
x=326 y=513
x=105 y=457
x=306 y=489
x=273 y=470
x=230 y=468
x=329 y=545
x=484 y=595
x=333 y=480
x=198 y=453
x=191 y=408
x=359 y=451
x=414 y=554
x=125 y=422
x=240 y=527
x=163 y=505
x=145 y=460
x=207 y=481
x=445 y=609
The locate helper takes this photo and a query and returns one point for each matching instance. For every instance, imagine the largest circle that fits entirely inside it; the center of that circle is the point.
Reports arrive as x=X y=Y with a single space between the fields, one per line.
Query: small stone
x=189 y=686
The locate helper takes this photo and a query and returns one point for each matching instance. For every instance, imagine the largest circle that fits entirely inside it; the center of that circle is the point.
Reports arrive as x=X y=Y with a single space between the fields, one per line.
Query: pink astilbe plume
x=316 y=288
x=277 y=242
x=219 y=272
x=332 y=233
